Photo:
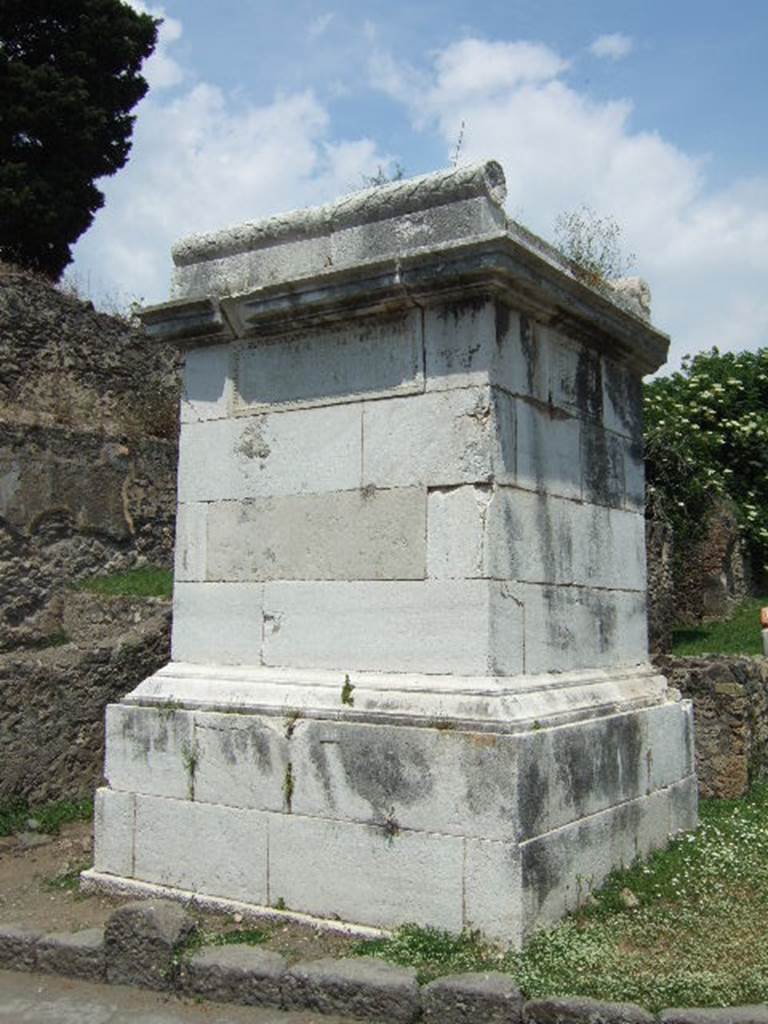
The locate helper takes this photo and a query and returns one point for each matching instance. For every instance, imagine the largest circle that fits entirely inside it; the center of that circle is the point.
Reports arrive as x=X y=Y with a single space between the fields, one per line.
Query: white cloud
x=202 y=160
x=705 y=252
x=615 y=45
x=161 y=70
x=320 y=24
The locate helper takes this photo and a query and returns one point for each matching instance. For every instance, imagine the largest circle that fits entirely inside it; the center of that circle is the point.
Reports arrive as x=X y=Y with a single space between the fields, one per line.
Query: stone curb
x=361 y=987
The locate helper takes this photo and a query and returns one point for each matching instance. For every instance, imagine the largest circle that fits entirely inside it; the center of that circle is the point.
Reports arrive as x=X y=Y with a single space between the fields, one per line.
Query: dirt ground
x=38 y=888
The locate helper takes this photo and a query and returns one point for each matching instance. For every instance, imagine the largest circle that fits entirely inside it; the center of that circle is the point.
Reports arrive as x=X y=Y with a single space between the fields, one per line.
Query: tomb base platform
x=376 y=799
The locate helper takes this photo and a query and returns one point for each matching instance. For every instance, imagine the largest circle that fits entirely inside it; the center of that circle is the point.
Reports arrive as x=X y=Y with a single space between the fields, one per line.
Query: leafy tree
x=706 y=435
x=69 y=77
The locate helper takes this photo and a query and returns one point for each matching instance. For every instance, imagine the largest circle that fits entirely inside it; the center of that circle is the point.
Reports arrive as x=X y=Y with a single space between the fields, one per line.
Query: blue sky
x=653 y=113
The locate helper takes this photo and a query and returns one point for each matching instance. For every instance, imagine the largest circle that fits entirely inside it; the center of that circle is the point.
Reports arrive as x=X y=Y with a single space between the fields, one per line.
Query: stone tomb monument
x=410 y=678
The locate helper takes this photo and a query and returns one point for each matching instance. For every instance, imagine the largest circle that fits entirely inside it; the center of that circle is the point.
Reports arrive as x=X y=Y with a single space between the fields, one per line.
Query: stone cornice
x=502 y=264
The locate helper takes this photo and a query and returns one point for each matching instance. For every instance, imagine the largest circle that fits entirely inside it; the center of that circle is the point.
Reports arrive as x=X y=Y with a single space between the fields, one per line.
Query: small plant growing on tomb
x=593 y=244
x=346 y=692
x=383 y=176
x=280 y=904
x=288 y=786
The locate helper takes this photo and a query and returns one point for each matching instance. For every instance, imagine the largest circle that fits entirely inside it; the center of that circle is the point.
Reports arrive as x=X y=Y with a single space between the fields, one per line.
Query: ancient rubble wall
x=730 y=702
x=52 y=701
x=87 y=451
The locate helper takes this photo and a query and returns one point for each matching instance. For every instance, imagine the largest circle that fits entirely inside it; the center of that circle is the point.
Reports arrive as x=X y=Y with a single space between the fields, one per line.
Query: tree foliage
x=69 y=77
x=706 y=435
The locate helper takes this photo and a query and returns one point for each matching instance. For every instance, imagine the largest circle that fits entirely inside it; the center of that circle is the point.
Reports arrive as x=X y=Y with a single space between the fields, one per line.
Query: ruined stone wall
x=52 y=701
x=87 y=452
x=730 y=701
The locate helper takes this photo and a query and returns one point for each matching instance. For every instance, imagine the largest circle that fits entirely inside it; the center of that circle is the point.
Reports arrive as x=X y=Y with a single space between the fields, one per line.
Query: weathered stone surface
x=75 y=954
x=140 y=940
x=234 y=974
x=416 y=873
x=364 y=987
x=577 y=1010
x=298 y=451
x=368 y=358
x=18 y=946
x=716 y=1015
x=148 y=750
x=490 y=997
x=113 y=831
x=198 y=847
x=463 y=627
x=346 y=535
x=218 y=622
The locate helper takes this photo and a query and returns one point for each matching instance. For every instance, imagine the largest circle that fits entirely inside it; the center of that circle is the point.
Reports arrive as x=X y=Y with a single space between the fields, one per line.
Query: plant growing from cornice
x=593 y=244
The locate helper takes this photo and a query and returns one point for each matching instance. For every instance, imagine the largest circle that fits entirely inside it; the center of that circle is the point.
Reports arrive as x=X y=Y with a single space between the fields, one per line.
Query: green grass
x=740 y=634
x=146 y=582
x=699 y=936
x=14 y=815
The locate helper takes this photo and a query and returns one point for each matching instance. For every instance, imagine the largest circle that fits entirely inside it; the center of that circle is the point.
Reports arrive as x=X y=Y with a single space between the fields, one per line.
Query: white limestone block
x=217 y=623
x=530 y=536
x=241 y=760
x=634 y=475
x=460 y=345
x=345 y=535
x=571 y=772
x=149 y=750
x=458 y=627
x=416 y=230
x=608 y=548
x=190 y=550
x=457 y=531
x=578 y=627
x=301 y=451
x=113 y=823
x=440 y=438
x=622 y=400
x=492 y=890
x=548 y=451
x=603 y=466
x=219 y=851
x=560 y=868
x=575 y=378
x=416 y=877
x=670 y=743
x=427 y=779
x=366 y=358
x=207 y=384
x=239 y=272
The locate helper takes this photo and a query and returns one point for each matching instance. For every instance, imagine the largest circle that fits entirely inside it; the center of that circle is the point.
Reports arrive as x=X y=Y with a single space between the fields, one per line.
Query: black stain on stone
x=559 y=628
x=247 y=743
x=532 y=787
x=385 y=771
x=589 y=384
x=625 y=393
x=530 y=351
x=504 y=414
x=603 y=611
x=487 y=765
x=603 y=466
x=501 y=318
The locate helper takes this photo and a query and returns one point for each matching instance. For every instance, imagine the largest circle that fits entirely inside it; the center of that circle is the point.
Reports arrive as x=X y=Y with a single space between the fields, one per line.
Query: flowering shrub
x=706 y=435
